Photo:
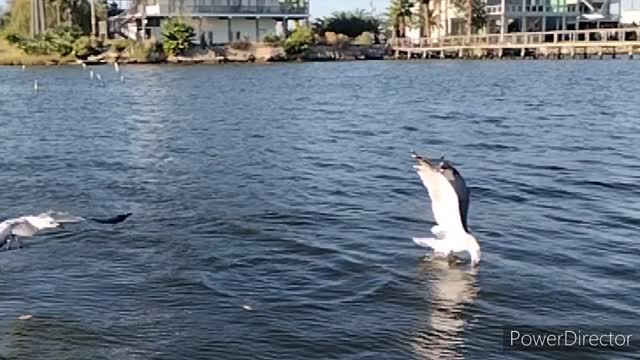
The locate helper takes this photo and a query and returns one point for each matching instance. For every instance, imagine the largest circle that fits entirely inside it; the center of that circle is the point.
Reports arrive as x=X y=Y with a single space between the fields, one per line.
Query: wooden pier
x=549 y=44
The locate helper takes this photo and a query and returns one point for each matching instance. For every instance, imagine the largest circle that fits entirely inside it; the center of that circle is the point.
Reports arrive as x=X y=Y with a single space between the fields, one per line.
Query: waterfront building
x=214 y=21
x=507 y=16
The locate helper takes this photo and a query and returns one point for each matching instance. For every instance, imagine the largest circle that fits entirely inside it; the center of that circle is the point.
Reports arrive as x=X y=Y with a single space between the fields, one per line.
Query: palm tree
x=400 y=12
x=428 y=26
x=426 y=17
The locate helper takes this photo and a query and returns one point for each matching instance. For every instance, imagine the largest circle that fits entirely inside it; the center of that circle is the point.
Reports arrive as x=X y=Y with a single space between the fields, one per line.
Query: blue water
x=274 y=208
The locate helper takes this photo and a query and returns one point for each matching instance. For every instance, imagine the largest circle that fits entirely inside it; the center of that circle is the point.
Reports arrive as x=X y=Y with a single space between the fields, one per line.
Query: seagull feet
x=16 y=242
x=11 y=243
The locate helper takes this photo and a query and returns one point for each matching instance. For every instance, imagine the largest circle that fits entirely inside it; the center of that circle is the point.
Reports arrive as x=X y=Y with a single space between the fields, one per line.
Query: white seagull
x=450 y=203
x=27 y=226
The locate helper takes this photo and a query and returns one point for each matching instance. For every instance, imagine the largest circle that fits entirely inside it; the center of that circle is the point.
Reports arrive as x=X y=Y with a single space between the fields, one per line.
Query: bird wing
x=62 y=217
x=23 y=227
x=444 y=200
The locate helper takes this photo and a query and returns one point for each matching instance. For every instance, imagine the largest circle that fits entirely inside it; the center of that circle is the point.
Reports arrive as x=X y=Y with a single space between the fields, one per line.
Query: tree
x=426 y=17
x=57 y=12
x=400 y=13
x=176 y=36
x=350 y=23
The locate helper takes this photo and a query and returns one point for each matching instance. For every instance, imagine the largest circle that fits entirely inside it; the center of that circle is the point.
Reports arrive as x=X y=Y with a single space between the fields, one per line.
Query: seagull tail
x=445 y=245
x=439 y=246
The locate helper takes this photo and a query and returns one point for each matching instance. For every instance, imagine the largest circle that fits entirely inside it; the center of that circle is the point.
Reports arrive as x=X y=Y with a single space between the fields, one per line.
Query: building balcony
x=206 y=8
x=237 y=10
x=532 y=10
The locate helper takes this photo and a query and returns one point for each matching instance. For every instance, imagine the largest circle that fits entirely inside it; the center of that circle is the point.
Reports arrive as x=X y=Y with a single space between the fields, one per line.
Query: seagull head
x=440 y=166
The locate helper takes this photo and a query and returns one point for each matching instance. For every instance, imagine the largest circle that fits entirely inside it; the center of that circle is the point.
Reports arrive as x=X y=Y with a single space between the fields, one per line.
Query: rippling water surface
x=289 y=190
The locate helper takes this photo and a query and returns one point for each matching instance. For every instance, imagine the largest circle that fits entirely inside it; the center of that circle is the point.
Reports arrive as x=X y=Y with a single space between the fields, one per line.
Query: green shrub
x=85 y=47
x=120 y=45
x=58 y=40
x=62 y=38
x=145 y=51
x=176 y=36
x=272 y=39
x=13 y=38
x=300 y=41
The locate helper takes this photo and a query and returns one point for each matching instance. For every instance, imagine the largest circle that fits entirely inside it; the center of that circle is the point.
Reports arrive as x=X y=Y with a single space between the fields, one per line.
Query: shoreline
x=257 y=53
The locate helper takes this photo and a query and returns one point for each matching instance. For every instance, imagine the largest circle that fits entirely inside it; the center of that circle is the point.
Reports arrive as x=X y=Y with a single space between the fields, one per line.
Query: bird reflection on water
x=453 y=289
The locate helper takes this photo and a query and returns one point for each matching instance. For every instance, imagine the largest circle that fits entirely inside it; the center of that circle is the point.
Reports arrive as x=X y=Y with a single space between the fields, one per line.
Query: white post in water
x=91 y=74
x=35 y=86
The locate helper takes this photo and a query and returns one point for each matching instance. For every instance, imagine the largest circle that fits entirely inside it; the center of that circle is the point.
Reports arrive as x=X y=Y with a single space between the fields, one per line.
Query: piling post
x=631 y=53
x=573 y=52
x=442 y=54
x=613 y=52
x=424 y=55
x=585 y=53
x=600 y=54
x=523 y=51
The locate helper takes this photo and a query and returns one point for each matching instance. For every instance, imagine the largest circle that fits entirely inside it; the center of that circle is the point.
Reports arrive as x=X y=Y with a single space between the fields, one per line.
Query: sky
x=321 y=8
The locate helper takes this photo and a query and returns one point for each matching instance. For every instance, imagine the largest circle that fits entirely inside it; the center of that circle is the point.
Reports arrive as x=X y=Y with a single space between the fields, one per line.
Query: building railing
x=554 y=37
x=558 y=9
x=174 y=7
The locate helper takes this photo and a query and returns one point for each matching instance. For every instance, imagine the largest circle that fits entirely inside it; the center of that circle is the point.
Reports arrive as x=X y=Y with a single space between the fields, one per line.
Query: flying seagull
x=450 y=203
x=27 y=226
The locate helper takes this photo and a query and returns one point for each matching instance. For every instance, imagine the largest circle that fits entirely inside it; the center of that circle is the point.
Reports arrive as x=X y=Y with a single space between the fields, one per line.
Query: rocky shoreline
x=253 y=53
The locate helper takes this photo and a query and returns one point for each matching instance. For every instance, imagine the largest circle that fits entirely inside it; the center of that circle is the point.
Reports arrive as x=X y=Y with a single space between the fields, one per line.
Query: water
x=288 y=190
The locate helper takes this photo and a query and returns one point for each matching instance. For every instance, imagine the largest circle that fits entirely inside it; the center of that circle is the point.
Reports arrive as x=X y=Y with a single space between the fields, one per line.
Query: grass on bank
x=11 y=55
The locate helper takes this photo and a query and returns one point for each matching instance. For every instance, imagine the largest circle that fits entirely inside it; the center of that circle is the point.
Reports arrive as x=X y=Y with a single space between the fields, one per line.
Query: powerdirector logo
x=571 y=338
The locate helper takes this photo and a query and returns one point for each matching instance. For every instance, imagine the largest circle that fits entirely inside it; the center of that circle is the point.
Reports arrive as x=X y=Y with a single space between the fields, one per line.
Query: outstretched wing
x=444 y=200
x=23 y=227
x=62 y=217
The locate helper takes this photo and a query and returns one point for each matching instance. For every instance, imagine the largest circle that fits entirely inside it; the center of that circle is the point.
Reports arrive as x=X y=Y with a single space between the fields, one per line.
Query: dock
x=549 y=44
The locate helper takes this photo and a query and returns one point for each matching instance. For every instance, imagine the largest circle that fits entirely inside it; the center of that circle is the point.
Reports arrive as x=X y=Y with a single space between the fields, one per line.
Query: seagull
x=27 y=226
x=450 y=203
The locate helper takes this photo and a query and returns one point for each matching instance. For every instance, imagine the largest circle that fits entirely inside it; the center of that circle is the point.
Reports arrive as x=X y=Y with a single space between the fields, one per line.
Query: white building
x=629 y=11
x=214 y=21
x=529 y=15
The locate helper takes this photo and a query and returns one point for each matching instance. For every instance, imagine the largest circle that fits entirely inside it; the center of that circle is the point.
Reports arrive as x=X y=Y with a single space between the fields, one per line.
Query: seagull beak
x=422 y=161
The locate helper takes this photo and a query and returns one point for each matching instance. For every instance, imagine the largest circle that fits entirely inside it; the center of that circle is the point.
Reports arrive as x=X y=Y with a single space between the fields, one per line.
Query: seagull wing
x=444 y=200
x=22 y=227
x=62 y=217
